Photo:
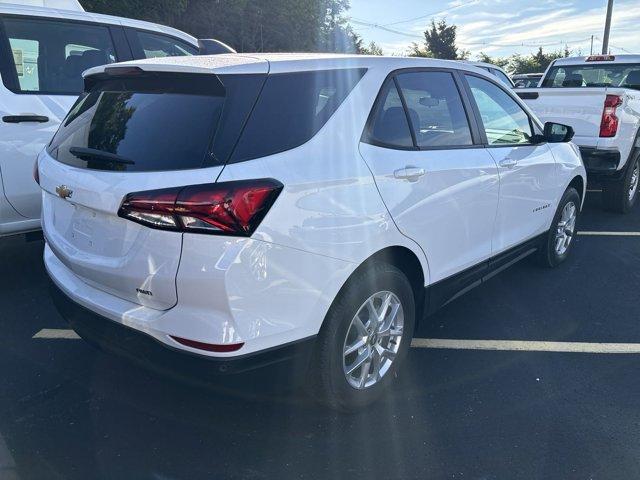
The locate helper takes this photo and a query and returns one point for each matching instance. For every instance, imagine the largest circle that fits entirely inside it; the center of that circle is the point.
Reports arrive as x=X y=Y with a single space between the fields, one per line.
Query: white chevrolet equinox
x=294 y=209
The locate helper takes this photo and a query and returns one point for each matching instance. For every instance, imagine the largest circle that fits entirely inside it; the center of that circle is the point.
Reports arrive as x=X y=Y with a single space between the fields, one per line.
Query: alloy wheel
x=633 y=184
x=373 y=340
x=565 y=229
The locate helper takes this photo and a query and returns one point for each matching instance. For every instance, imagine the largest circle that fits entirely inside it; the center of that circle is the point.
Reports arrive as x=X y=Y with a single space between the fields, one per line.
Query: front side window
x=49 y=56
x=154 y=45
x=435 y=109
x=504 y=121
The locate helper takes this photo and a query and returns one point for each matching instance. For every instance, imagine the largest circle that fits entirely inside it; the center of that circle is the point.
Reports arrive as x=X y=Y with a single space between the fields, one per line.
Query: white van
x=43 y=52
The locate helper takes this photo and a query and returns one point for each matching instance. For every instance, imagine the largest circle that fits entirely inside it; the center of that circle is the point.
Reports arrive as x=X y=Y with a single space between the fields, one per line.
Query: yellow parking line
x=614 y=234
x=57 y=333
x=526 y=346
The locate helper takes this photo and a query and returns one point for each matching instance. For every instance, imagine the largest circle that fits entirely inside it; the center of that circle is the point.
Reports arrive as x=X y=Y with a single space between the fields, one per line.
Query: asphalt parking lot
x=69 y=411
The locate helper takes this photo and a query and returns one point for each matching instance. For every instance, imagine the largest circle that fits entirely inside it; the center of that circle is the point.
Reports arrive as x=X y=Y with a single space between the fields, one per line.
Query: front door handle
x=508 y=163
x=409 y=173
x=25 y=118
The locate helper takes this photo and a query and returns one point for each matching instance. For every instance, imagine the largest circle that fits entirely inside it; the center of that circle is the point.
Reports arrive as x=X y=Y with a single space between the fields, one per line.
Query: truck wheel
x=559 y=241
x=621 y=195
x=364 y=338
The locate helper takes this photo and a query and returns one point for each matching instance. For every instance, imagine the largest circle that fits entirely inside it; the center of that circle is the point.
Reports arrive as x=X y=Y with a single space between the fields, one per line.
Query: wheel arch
x=405 y=260
x=581 y=187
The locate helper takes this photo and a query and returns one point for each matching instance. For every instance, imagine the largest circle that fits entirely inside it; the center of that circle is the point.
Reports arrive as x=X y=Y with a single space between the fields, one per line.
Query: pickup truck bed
x=582 y=108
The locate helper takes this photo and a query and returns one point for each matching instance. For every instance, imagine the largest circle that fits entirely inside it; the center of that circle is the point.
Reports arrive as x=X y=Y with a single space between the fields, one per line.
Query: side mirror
x=211 y=46
x=557 y=132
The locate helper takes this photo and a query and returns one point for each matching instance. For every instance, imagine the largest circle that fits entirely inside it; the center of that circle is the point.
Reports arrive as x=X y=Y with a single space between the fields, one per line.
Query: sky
x=500 y=27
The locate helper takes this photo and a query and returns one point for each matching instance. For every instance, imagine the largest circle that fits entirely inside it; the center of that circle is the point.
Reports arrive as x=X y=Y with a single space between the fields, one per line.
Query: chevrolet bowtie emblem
x=63 y=191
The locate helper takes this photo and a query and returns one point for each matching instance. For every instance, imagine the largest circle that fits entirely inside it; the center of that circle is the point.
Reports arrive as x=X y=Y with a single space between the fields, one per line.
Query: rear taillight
x=36 y=173
x=226 y=208
x=609 y=122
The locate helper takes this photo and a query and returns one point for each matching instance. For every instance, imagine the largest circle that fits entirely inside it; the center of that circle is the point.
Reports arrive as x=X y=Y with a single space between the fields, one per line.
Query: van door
x=41 y=62
x=439 y=184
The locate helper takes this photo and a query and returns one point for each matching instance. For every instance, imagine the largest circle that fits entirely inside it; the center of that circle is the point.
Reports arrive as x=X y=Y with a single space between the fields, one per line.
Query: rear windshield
x=594 y=75
x=178 y=121
x=292 y=108
x=156 y=122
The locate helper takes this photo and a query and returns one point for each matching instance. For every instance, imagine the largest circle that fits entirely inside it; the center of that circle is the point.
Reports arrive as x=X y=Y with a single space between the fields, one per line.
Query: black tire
x=327 y=380
x=548 y=256
x=616 y=193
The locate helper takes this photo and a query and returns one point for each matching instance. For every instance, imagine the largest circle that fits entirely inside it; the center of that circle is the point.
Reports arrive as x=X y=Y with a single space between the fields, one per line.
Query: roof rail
x=58 y=4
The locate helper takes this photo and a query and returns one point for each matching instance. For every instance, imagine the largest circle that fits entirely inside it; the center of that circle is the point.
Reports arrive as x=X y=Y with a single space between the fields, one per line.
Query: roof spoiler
x=211 y=46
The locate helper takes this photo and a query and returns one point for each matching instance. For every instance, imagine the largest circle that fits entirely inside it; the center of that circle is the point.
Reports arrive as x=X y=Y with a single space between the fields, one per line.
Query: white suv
x=43 y=52
x=251 y=209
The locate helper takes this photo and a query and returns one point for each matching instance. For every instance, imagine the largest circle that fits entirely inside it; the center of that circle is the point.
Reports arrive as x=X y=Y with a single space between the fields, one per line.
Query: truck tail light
x=609 y=122
x=225 y=208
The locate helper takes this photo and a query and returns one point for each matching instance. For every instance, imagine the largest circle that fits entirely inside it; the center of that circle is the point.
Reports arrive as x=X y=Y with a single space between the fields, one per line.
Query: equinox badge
x=63 y=191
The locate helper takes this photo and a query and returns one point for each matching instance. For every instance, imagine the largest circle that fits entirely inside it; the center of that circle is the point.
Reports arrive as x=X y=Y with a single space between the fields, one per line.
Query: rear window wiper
x=99 y=155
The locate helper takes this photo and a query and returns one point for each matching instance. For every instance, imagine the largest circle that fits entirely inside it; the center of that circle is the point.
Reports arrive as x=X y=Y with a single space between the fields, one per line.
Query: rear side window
x=154 y=45
x=435 y=109
x=502 y=77
x=155 y=122
x=292 y=108
x=49 y=56
x=390 y=127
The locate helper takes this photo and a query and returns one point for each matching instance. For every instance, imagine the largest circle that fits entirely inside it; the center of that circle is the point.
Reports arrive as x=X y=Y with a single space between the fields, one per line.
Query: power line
x=439 y=12
x=411 y=35
x=620 y=48
x=547 y=44
x=386 y=29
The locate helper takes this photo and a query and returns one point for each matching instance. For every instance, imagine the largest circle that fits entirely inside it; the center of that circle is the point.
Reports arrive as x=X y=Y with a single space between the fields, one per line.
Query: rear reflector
x=225 y=208
x=209 y=347
x=609 y=122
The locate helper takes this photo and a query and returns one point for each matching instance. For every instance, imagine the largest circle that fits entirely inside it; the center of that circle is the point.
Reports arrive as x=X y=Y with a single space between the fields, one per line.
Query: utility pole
x=607 y=28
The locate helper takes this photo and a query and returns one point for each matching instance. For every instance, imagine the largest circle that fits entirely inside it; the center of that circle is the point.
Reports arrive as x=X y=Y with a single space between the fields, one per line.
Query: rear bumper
x=150 y=353
x=599 y=162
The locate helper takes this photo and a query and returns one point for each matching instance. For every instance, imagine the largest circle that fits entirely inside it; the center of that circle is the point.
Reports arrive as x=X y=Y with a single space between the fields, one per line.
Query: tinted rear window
x=594 y=75
x=156 y=122
x=292 y=108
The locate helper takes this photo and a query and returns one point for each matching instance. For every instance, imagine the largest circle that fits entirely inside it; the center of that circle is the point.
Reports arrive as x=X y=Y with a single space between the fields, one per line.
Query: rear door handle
x=508 y=163
x=409 y=173
x=25 y=118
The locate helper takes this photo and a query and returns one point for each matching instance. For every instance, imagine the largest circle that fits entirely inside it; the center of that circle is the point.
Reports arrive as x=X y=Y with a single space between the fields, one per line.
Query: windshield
x=594 y=75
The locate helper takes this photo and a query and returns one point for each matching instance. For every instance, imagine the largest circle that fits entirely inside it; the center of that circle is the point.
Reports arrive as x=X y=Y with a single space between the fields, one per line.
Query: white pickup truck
x=599 y=96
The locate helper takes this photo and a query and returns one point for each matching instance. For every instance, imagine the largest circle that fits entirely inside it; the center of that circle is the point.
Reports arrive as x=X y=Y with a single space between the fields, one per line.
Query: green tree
x=498 y=61
x=249 y=26
x=439 y=42
x=372 y=49
x=160 y=11
x=536 y=62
